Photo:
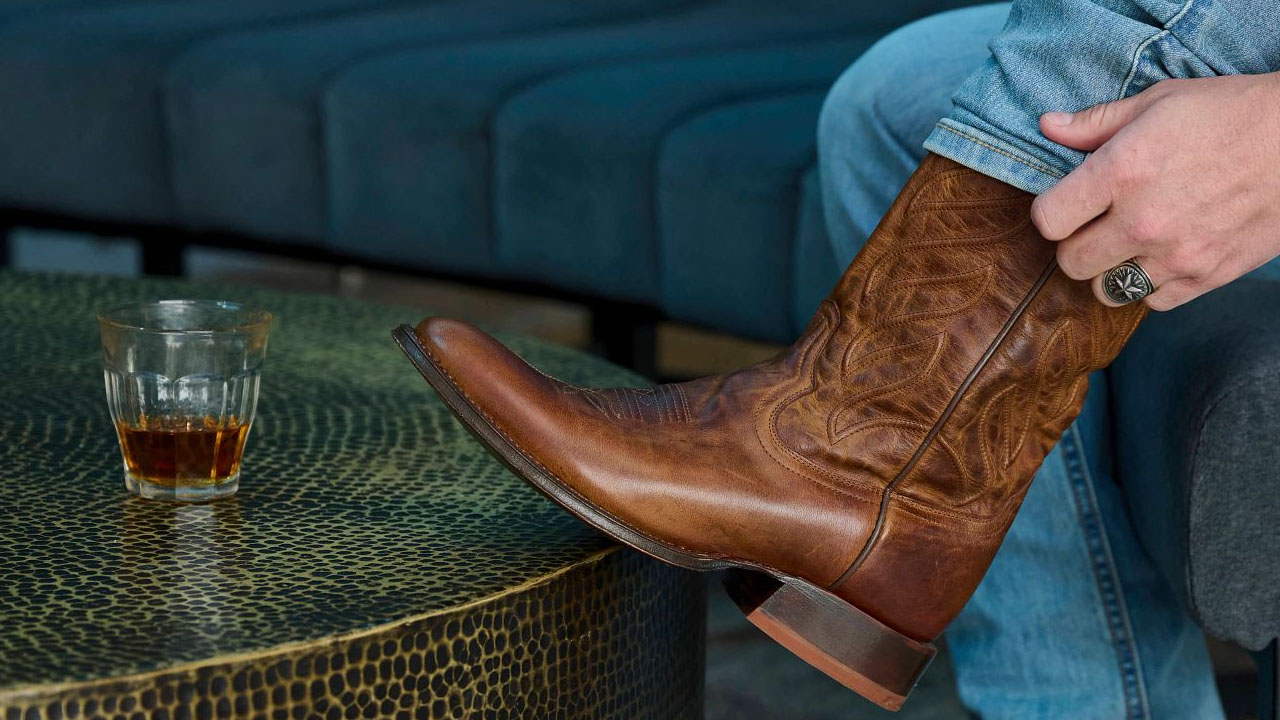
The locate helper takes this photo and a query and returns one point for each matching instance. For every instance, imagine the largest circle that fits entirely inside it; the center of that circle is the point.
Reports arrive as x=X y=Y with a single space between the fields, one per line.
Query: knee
x=869 y=95
x=899 y=87
x=837 y=120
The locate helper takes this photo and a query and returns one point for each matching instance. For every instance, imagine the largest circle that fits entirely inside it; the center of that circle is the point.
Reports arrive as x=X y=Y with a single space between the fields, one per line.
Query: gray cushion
x=1196 y=397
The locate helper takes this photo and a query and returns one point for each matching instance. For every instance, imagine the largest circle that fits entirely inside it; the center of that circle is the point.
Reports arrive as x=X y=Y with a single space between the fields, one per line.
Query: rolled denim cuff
x=992 y=156
x=1073 y=54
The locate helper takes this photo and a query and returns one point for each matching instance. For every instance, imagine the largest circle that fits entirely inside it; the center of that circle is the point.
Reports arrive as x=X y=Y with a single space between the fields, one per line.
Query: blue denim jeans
x=1070 y=54
x=1072 y=620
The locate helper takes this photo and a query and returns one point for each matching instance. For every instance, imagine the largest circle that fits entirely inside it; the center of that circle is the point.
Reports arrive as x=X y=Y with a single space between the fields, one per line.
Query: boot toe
x=486 y=375
x=453 y=342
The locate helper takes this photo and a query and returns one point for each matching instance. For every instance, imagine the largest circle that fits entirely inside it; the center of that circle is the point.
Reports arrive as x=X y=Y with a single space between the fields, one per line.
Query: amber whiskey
x=183 y=451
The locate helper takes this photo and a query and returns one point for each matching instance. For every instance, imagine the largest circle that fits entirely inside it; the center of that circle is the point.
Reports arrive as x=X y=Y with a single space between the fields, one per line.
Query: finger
x=1177 y=292
x=1159 y=275
x=1088 y=129
x=1084 y=194
x=1095 y=248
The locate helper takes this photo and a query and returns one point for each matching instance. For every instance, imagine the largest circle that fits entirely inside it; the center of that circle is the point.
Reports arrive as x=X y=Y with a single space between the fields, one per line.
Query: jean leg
x=1071 y=54
x=1103 y=637
x=879 y=112
x=1073 y=621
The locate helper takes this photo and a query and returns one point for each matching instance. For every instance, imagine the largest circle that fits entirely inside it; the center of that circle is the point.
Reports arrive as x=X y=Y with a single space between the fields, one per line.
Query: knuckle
x=1147 y=229
x=1041 y=217
x=1168 y=90
x=1125 y=167
x=1167 y=86
x=1186 y=261
x=1070 y=264
x=1096 y=117
x=1201 y=283
x=1074 y=272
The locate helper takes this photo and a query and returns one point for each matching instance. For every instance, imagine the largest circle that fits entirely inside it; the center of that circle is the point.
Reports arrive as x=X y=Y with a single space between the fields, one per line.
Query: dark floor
x=748 y=676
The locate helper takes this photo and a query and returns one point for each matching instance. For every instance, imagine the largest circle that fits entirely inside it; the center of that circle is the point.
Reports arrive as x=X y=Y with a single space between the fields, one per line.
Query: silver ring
x=1126 y=283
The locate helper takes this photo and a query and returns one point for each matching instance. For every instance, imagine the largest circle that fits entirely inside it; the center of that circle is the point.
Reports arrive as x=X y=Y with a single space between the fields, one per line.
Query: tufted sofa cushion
x=544 y=140
x=741 y=247
x=585 y=155
x=244 y=108
x=82 y=128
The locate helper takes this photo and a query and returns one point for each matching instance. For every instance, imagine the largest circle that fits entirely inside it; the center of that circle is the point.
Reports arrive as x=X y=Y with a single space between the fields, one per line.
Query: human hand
x=1184 y=177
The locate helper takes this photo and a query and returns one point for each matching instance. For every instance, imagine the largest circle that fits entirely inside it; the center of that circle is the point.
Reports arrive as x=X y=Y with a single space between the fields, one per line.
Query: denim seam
x=1142 y=47
x=979 y=141
x=1105 y=573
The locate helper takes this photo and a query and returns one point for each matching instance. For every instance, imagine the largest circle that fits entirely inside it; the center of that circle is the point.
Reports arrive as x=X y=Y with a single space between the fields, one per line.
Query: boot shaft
x=949 y=360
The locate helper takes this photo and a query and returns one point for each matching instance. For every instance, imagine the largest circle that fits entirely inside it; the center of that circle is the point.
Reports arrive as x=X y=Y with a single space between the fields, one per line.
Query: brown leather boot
x=863 y=479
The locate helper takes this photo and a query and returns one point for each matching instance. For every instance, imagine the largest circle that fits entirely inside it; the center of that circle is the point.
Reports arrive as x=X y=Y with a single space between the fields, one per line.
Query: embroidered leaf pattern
x=901 y=311
x=1011 y=414
x=923 y=299
x=879 y=373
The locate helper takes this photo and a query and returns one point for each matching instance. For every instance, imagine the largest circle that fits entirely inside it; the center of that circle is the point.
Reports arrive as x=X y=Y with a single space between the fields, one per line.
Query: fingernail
x=1057 y=118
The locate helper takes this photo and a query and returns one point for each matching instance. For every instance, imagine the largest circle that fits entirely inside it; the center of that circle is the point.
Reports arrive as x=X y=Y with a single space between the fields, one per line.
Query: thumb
x=1088 y=129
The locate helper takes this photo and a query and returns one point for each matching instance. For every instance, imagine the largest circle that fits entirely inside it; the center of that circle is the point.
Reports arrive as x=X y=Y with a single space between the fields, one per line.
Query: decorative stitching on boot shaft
x=946 y=415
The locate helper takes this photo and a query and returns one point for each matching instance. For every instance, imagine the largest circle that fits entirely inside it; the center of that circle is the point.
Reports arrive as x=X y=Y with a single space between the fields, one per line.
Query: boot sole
x=850 y=646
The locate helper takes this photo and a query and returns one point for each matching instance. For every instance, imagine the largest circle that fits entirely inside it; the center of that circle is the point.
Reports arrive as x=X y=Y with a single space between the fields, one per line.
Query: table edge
x=18 y=693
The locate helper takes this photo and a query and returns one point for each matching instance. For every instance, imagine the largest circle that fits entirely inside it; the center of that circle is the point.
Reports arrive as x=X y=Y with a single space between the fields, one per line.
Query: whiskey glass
x=182 y=382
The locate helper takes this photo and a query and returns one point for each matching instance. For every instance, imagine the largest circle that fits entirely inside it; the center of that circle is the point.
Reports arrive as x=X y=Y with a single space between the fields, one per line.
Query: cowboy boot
x=859 y=482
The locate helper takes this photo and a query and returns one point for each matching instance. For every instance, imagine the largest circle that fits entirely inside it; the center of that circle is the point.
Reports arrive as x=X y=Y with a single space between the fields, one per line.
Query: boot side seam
x=937 y=516
x=889 y=489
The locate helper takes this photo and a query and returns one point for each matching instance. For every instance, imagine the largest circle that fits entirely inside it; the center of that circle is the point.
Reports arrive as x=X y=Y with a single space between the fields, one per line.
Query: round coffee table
x=376 y=562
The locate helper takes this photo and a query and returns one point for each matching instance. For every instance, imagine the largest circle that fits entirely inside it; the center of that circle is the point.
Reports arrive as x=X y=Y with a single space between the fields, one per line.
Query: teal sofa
x=653 y=157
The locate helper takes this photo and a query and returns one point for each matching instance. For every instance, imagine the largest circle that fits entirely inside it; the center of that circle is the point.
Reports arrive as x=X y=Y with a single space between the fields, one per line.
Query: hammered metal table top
x=362 y=503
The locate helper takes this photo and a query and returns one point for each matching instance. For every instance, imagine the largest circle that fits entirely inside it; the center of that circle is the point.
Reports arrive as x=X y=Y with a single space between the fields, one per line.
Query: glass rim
x=254 y=318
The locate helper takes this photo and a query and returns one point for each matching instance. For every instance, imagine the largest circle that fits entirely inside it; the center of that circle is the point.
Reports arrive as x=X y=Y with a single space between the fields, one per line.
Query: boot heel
x=860 y=652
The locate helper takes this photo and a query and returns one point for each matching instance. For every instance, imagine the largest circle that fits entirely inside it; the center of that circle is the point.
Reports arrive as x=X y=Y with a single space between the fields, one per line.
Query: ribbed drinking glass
x=182 y=382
